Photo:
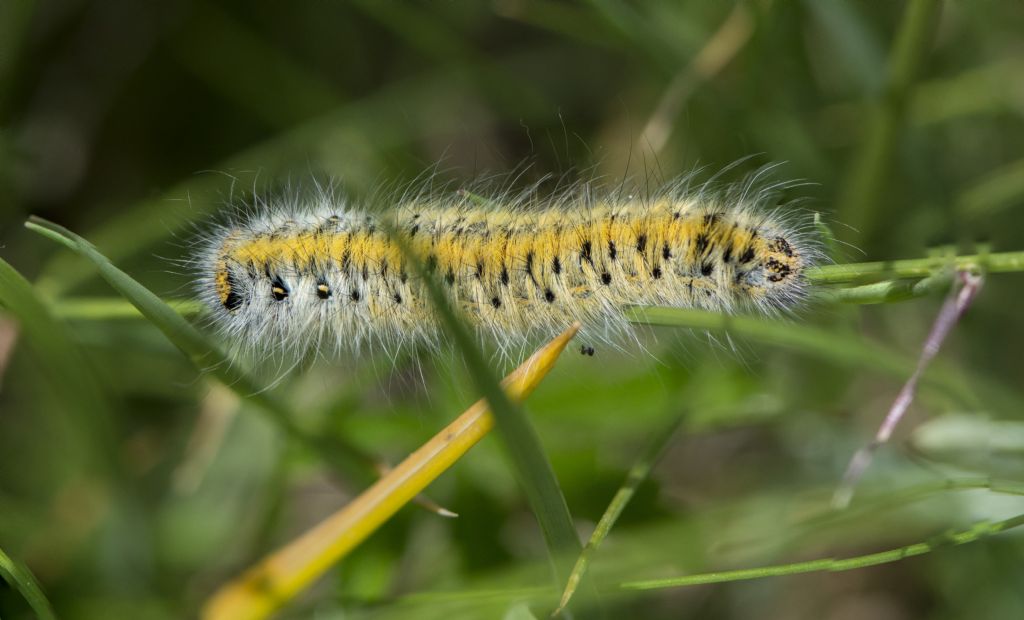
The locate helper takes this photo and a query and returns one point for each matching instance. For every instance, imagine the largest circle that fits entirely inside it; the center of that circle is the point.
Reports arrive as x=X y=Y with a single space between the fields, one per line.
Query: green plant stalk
x=522 y=444
x=1003 y=262
x=861 y=199
x=637 y=474
x=100 y=308
x=22 y=580
x=976 y=532
x=889 y=291
x=826 y=518
x=110 y=308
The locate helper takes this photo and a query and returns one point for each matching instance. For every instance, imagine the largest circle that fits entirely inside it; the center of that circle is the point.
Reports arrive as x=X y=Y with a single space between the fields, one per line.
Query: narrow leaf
x=22 y=580
x=200 y=351
x=283 y=574
x=637 y=474
x=519 y=437
x=976 y=532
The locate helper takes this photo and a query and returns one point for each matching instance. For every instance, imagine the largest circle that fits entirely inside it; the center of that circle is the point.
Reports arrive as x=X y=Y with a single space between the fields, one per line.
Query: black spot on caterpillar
x=269 y=279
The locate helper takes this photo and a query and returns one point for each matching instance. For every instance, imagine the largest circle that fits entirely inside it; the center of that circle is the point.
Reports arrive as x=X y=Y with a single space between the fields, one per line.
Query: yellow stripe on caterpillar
x=301 y=277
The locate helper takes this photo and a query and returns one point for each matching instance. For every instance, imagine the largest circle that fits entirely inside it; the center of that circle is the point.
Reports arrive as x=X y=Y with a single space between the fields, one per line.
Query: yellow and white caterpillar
x=301 y=275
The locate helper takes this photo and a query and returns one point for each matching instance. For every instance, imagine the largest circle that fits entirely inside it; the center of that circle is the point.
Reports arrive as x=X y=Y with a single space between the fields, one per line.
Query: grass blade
x=109 y=308
x=637 y=474
x=25 y=583
x=859 y=205
x=198 y=349
x=522 y=444
x=280 y=576
x=976 y=532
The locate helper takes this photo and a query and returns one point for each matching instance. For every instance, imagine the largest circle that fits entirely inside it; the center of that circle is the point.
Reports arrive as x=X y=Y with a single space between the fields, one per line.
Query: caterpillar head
x=772 y=270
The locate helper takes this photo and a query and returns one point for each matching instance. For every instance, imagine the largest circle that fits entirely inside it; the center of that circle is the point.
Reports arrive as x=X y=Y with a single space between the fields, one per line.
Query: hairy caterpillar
x=298 y=275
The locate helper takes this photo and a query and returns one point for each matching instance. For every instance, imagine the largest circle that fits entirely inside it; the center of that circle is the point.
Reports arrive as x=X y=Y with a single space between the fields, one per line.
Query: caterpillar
x=297 y=274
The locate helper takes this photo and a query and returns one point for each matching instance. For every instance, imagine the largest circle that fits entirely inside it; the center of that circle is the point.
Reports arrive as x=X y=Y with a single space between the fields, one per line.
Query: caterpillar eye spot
x=355 y=295
x=707 y=269
x=666 y=252
x=278 y=289
x=612 y=252
x=549 y=296
x=606 y=278
x=656 y=273
x=496 y=302
x=323 y=291
x=641 y=243
x=747 y=256
x=398 y=298
x=232 y=302
x=556 y=266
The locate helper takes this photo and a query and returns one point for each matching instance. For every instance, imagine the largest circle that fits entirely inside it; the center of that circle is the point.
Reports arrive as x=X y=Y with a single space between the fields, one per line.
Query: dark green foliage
x=133 y=483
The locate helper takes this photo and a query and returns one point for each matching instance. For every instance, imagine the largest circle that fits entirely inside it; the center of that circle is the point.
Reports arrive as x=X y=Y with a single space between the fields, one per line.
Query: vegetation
x=140 y=471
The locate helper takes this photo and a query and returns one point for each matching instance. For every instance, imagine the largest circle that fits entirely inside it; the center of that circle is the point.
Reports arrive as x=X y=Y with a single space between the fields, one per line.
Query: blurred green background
x=132 y=123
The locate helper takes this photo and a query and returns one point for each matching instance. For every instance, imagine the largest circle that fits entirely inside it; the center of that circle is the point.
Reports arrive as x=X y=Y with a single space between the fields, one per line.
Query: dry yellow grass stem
x=289 y=570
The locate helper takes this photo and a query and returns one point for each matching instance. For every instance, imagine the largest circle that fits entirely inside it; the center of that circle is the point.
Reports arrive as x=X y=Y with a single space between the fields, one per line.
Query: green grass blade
x=522 y=444
x=22 y=580
x=192 y=343
x=198 y=349
x=109 y=308
x=859 y=206
x=979 y=530
x=637 y=474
